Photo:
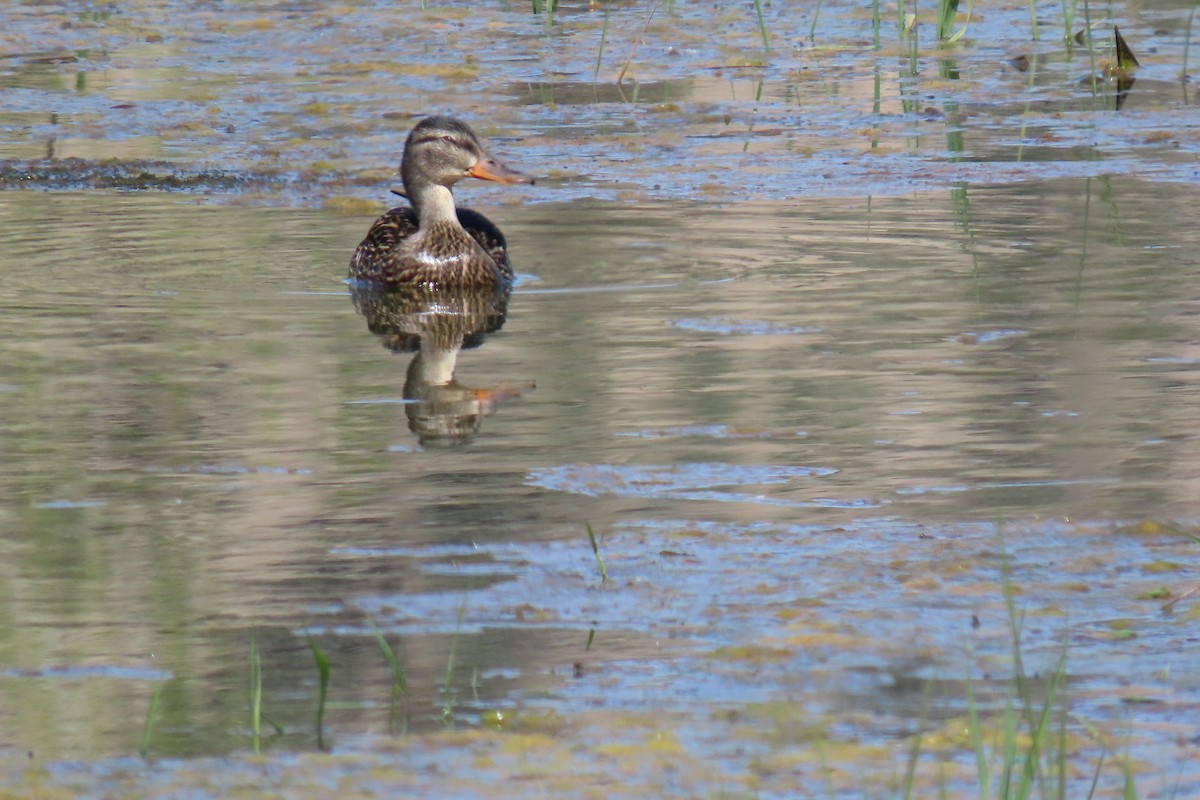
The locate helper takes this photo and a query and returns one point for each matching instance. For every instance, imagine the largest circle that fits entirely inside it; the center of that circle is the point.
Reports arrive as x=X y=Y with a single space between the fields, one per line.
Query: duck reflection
x=436 y=323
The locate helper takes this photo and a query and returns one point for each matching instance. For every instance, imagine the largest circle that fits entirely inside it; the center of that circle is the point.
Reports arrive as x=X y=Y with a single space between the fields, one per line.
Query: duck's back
x=381 y=256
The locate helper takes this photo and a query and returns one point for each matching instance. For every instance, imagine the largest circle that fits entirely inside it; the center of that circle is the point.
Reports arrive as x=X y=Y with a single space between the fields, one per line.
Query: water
x=807 y=434
x=833 y=350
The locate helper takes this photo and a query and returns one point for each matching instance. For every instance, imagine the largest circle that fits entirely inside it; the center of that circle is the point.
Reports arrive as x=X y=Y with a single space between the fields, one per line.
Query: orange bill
x=489 y=169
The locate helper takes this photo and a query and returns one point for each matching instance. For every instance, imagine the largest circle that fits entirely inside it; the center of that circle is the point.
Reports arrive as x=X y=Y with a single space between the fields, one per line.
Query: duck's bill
x=489 y=169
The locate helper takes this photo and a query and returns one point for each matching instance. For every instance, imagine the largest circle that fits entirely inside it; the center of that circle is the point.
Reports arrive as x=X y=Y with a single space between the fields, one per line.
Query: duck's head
x=442 y=151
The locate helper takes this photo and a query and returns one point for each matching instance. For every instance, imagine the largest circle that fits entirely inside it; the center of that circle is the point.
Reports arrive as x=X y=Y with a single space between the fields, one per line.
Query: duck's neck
x=434 y=205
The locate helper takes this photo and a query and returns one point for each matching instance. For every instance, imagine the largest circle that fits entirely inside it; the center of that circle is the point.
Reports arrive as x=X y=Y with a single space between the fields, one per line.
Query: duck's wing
x=374 y=256
x=484 y=231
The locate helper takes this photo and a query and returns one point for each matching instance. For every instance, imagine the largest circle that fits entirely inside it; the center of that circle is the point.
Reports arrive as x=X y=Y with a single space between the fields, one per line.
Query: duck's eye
x=438 y=139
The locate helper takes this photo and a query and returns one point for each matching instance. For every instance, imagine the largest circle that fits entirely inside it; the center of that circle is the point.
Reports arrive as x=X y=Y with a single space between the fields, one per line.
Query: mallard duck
x=433 y=242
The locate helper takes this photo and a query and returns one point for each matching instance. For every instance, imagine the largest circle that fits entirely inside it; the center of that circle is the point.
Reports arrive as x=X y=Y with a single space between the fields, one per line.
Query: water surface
x=835 y=347
x=810 y=436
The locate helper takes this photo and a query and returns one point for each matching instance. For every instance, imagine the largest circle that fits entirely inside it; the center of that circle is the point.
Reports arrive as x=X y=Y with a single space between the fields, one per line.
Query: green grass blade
x=1187 y=45
x=982 y=766
x=946 y=11
x=603 y=38
x=399 y=682
x=447 y=701
x=1091 y=44
x=1061 y=775
x=275 y=726
x=910 y=770
x=762 y=25
x=1096 y=777
x=1130 y=792
x=1009 y=754
x=255 y=697
x=1039 y=731
x=966 y=24
x=148 y=727
x=397 y=668
x=914 y=755
x=323 y=691
x=596 y=550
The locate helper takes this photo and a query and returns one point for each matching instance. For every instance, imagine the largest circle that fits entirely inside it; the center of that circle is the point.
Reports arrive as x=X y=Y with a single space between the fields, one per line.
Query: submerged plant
x=255 y=697
x=257 y=717
x=603 y=37
x=1187 y=43
x=1034 y=742
x=148 y=726
x=323 y=692
x=947 y=12
x=629 y=61
x=596 y=551
x=399 y=684
x=447 y=690
x=547 y=7
x=1068 y=9
x=762 y=25
x=812 y=27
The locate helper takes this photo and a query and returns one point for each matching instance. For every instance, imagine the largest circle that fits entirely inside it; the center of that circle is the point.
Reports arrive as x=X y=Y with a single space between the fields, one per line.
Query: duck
x=431 y=241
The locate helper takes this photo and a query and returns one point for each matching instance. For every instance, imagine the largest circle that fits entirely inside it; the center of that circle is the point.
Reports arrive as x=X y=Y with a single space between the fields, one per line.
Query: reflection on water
x=812 y=439
x=436 y=324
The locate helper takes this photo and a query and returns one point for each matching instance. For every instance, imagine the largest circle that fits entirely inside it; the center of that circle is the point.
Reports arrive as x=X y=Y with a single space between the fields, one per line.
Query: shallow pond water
x=809 y=436
x=834 y=350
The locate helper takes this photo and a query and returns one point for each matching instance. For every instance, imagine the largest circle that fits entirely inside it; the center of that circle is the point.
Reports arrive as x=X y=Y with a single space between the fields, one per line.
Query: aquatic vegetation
x=947 y=11
x=148 y=726
x=399 y=687
x=322 y=663
x=255 y=697
x=448 y=697
x=1187 y=46
x=770 y=305
x=762 y=25
x=596 y=553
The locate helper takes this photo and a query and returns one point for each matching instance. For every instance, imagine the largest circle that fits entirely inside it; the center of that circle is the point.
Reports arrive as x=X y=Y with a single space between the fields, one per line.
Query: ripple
x=61 y=504
x=682 y=481
x=229 y=469
x=731 y=327
x=97 y=671
x=952 y=489
x=980 y=337
x=709 y=432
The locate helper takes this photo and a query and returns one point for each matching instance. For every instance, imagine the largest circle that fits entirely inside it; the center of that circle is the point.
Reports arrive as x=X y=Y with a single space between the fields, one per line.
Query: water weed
x=762 y=25
x=148 y=727
x=323 y=689
x=596 y=551
x=447 y=688
x=255 y=697
x=603 y=39
x=399 y=684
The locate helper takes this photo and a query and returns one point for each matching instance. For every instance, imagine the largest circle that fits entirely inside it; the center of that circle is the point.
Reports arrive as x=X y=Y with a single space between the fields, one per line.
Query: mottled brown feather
x=381 y=256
